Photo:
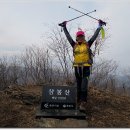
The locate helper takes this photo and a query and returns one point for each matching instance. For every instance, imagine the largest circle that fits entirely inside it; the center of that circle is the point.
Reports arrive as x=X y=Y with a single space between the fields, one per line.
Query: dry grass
x=104 y=109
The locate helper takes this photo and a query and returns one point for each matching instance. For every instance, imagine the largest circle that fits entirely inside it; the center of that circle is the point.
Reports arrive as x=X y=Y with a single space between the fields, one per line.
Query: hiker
x=82 y=61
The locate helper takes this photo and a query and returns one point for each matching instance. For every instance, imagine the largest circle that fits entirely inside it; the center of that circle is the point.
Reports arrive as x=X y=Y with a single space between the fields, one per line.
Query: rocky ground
x=104 y=110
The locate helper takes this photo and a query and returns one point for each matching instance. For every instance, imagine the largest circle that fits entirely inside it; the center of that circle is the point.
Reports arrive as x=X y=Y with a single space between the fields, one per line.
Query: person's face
x=80 y=38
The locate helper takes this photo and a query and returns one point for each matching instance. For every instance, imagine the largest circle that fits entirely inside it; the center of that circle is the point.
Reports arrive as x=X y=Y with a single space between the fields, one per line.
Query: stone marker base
x=60 y=114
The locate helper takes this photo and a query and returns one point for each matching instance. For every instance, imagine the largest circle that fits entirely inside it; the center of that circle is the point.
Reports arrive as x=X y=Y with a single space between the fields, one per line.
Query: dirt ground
x=104 y=110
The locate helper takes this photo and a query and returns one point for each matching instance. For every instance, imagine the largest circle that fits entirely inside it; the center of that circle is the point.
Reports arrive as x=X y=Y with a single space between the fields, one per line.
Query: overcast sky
x=25 y=22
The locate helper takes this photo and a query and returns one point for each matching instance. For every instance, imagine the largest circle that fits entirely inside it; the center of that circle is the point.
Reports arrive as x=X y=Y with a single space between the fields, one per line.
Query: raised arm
x=93 y=38
x=71 y=41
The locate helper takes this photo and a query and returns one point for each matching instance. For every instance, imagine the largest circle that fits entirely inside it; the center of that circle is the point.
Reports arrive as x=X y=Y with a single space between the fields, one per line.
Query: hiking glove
x=63 y=24
x=101 y=23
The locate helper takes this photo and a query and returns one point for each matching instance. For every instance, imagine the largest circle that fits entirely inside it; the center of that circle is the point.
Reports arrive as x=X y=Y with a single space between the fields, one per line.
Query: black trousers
x=82 y=75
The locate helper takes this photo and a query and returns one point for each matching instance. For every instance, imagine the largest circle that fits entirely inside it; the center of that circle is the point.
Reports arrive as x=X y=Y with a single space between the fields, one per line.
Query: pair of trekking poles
x=83 y=14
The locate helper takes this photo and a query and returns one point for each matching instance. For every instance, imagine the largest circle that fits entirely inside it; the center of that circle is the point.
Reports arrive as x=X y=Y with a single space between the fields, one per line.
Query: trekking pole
x=79 y=16
x=82 y=15
x=86 y=14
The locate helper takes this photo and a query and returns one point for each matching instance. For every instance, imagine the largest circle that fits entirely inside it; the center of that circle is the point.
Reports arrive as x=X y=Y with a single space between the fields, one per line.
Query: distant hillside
x=104 y=109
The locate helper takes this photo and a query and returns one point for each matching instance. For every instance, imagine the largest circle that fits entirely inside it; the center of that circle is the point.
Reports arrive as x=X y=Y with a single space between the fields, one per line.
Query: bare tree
x=14 y=70
x=37 y=65
x=103 y=74
x=62 y=52
x=3 y=72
